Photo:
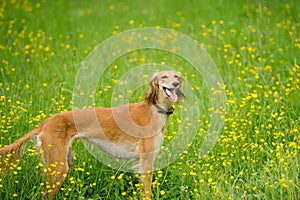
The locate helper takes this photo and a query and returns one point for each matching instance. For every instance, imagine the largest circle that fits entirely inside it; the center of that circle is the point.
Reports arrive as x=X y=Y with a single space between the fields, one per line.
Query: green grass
x=255 y=45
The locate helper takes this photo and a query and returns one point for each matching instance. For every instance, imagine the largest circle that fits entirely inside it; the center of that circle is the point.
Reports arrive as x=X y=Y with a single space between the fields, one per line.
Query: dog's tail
x=11 y=154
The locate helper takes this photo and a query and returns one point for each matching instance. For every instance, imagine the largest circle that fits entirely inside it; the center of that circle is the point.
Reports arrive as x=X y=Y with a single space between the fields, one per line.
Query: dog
x=128 y=131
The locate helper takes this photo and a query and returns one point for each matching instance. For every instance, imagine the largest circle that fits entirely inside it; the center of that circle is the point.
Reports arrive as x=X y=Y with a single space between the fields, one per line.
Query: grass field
x=255 y=45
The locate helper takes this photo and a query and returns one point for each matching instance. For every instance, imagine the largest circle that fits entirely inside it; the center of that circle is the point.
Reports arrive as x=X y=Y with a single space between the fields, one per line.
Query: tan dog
x=128 y=131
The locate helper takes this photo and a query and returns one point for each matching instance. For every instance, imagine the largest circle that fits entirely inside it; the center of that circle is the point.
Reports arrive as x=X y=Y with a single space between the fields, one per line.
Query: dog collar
x=163 y=111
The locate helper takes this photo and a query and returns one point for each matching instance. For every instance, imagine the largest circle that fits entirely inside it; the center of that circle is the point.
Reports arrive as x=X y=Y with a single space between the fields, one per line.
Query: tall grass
x=255 y=45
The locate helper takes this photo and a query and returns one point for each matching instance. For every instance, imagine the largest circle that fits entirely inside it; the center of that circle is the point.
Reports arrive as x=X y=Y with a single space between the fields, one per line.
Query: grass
x=255 y=45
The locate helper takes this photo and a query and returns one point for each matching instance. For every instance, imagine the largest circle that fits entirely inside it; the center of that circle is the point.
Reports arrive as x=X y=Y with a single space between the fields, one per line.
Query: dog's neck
x=164 y=111
x=164 y=107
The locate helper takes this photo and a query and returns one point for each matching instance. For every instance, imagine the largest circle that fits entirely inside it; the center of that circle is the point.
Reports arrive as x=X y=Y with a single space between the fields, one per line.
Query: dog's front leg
x=147 y=156
x=146 y=166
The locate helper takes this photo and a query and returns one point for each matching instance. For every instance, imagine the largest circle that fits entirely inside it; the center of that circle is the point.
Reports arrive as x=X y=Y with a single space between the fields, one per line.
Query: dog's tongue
x=172 y=95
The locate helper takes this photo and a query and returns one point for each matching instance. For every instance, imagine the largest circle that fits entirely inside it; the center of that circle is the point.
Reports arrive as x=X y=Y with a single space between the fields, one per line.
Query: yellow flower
x=111 y=7
x=131 y=22
x=120 y=176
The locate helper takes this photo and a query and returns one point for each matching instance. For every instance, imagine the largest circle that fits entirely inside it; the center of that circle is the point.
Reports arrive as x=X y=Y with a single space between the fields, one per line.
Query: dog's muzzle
x=171 y=93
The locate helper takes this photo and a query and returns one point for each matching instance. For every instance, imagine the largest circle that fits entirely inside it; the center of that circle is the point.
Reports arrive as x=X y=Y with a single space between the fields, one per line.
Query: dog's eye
x=164 y=77
x=176 y=76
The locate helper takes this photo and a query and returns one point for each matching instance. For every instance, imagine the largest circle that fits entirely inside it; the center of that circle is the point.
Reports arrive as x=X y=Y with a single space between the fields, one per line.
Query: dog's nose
x=175 y=84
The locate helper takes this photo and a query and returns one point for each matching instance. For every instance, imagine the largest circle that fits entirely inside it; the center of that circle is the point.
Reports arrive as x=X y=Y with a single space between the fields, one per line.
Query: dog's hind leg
x=55 y=153
x=54 y=141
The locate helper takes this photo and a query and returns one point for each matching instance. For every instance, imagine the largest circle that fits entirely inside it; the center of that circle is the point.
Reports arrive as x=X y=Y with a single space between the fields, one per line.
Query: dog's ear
x=154 y=79
x=180 y=94
x=181 y=79
x=152 y=94
x=178 y=91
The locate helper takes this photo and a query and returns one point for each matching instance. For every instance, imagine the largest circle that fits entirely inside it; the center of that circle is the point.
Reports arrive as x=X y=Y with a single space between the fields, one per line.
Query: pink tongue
x=173 y=96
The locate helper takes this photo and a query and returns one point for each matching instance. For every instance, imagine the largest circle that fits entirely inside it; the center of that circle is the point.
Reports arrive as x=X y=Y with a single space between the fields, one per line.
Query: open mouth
x=171 y=93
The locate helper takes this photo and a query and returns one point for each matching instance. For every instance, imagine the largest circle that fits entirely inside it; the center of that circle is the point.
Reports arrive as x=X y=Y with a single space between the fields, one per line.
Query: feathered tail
x=12 y=154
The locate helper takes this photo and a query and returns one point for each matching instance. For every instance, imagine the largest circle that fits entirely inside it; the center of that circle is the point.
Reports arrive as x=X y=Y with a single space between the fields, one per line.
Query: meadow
x=255 y=46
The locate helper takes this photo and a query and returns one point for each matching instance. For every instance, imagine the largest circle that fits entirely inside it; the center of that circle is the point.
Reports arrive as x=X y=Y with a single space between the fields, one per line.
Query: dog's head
x=165 y=85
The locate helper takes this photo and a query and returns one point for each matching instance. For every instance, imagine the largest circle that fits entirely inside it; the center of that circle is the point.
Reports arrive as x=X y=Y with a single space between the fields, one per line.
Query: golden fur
x=128 y=131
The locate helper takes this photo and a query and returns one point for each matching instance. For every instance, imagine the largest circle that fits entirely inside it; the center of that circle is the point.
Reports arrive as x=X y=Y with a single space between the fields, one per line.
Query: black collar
x=163 y=111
